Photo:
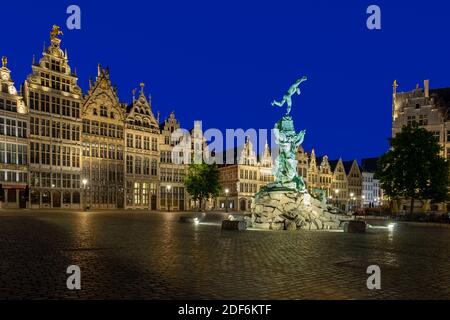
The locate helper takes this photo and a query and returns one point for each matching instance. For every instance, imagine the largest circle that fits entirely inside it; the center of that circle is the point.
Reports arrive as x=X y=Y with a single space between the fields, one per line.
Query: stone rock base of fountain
x=291 y=210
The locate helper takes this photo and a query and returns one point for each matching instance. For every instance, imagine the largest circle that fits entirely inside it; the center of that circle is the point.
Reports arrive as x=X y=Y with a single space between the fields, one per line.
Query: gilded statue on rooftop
x=55 y=32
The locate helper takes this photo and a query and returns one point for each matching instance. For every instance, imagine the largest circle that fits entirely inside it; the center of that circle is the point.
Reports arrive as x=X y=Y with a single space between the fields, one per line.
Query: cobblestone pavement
x=143 y=255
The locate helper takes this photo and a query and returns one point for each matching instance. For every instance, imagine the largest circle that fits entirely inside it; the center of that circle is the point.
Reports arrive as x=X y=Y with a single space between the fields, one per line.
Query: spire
x=394 y=86
x=98 y=70
x=33 y=60
x=66 y=54
x=158 y=114
x=142 y=88
x=133 y=93
x=4 y=61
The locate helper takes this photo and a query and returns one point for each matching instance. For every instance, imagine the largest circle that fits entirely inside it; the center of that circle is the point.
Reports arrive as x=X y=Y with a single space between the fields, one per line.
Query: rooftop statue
x=55 y=32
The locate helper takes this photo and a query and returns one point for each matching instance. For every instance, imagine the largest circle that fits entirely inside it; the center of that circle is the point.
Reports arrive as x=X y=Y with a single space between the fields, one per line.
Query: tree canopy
x=202 y=181
x=413 y=168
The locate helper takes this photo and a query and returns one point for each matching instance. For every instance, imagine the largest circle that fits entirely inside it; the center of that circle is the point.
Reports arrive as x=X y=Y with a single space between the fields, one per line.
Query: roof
x=348 y=165
x=441 y=98
x=333 y=164
x=369 y=164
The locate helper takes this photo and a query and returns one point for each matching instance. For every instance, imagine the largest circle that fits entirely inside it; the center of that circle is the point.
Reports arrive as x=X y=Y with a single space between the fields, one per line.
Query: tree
x=202 y=182
x=413 y=168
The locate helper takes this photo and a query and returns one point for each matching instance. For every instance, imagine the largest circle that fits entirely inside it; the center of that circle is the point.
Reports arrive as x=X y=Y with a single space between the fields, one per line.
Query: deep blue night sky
x=224 y=61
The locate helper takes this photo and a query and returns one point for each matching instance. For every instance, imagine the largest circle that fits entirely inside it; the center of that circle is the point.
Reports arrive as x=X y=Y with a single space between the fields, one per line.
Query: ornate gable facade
x=102 y=138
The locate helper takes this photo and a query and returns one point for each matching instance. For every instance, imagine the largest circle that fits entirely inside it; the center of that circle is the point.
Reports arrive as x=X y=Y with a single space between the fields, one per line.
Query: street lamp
x=226 y=199
x=351 y=200
x=169 y=198
x=84 y=181
x=336 y=191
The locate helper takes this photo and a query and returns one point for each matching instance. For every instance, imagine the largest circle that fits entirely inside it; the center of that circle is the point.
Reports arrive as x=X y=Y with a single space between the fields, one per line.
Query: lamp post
x=363 y=197
x=336 y=192
x=84 y=181
x=226 y=199
x=351 y=200
x=169 y=198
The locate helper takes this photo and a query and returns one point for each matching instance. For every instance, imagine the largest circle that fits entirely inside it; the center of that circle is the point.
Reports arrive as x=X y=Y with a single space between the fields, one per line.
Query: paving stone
x=149 y=255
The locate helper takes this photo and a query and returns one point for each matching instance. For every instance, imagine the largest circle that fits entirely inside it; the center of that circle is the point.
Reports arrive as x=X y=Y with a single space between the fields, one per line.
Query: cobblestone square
x=150 y=255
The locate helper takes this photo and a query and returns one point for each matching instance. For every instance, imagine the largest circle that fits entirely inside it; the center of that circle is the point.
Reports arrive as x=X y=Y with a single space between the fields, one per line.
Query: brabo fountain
x=286 y=203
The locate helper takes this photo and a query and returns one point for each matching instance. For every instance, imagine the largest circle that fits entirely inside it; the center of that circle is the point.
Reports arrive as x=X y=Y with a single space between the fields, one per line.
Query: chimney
x=426 y=88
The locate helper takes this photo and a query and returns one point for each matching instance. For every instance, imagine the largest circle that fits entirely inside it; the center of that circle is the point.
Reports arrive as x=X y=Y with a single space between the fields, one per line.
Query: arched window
x=76 y=197
x=112 y=115
x=66 y=197
x=35 y=197
x=46 y=197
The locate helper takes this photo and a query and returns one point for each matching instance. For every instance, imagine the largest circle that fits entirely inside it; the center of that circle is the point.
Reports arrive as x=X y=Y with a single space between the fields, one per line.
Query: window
x=119 y=153
x=154 y=144
x=103 y=151
x=65 y=85
x=95 y=127
x=65 y=107
x=21 y=129
x=138 y=165
x=437 y=135
x=75 y=133
x=45 y=103
x=147 y=166
x=423 y=120
x=46 y=197
x=75 y=157
x=45 y=79
x=45 y=128
x=76 y=197
x=86 y=126
x=65 y=154
x=45 y=154
x=75 y=109
x=411 y=121
x=56 y=155
x=111 y=152
x=146 y=143
x=21 y=154
x=94 y=150
x=138 y=142
x=129 y=164
x=11 y=153
x=56 y=132
x=34 y=152
x=10 y=127
x=56 y=105
x=129 y=140
x=112 y=131
x=103 y=129
x=103 y=111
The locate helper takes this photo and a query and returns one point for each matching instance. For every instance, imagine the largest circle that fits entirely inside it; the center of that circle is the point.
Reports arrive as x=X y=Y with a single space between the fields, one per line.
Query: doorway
x=56 y=199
